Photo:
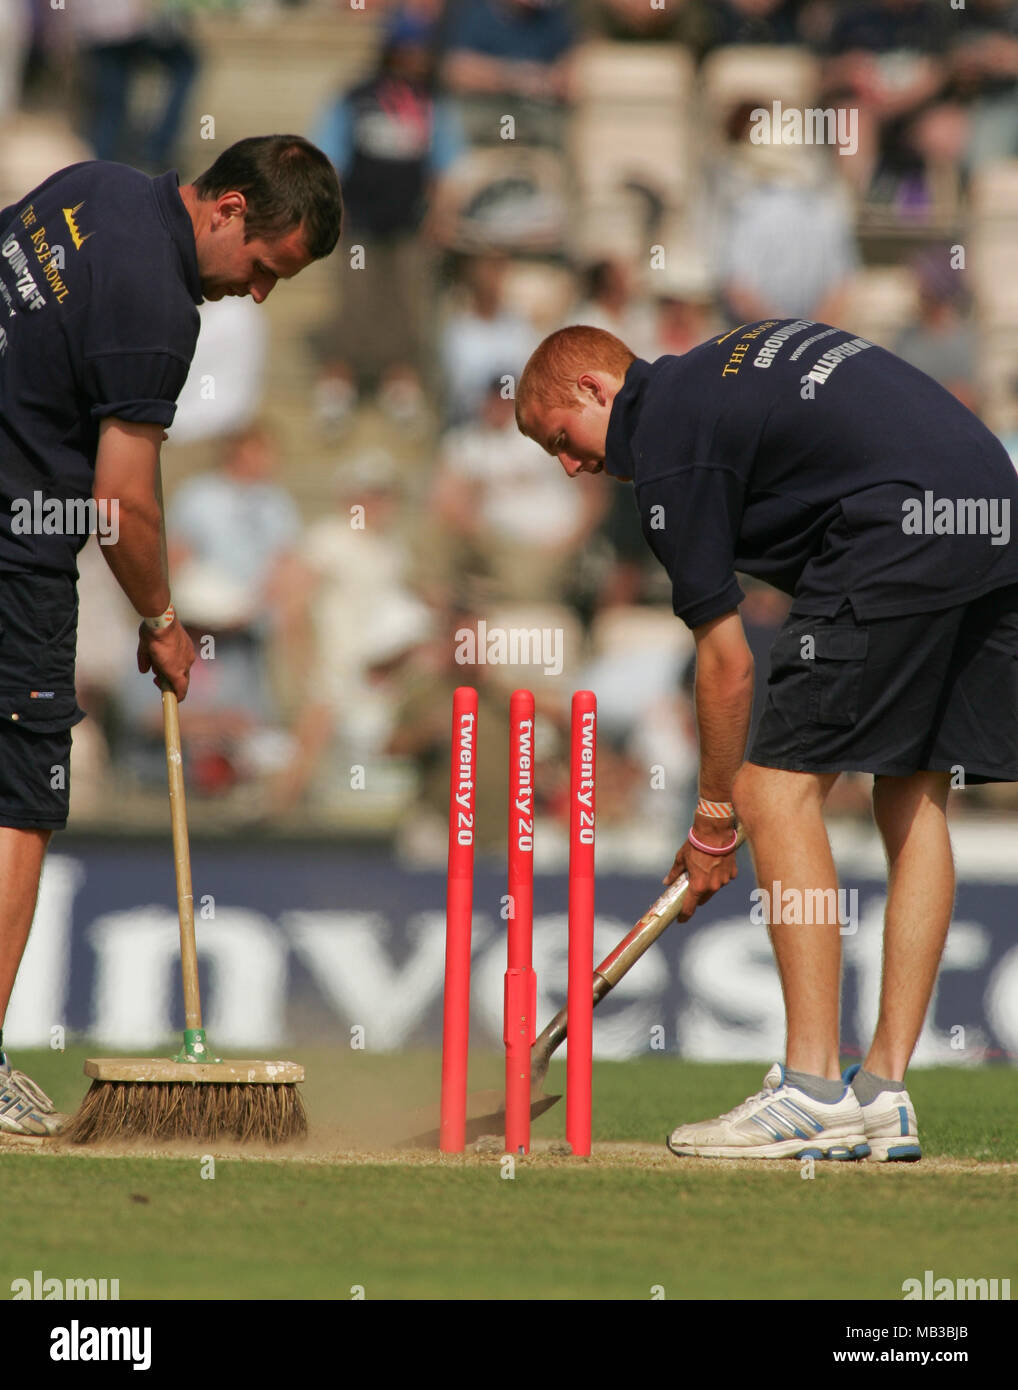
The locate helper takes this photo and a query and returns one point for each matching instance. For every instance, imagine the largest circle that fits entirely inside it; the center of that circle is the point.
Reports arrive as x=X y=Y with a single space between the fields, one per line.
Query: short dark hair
x=287 y=181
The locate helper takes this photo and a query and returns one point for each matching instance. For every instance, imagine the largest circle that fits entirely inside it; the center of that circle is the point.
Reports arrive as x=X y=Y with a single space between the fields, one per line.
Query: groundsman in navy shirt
x=101 y=270
x=806 y=456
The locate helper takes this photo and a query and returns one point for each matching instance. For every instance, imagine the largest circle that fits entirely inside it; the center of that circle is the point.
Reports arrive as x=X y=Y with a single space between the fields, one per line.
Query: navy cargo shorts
x=38 y=708
x=926 y=692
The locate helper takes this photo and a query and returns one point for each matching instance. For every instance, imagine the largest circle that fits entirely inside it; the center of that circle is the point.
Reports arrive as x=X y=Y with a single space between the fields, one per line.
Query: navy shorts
x=38 y=633
x=893 y=696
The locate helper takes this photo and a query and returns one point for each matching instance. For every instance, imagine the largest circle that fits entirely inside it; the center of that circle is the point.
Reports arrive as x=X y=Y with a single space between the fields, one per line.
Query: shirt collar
x=181 y=228
x=624 y=417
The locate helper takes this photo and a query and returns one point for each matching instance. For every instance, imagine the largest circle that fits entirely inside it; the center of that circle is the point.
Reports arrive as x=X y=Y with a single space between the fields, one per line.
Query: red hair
x=549 y=378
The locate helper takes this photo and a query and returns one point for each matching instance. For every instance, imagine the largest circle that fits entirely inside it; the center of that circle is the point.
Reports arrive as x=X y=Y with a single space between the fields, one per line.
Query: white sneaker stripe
x=804 y=1116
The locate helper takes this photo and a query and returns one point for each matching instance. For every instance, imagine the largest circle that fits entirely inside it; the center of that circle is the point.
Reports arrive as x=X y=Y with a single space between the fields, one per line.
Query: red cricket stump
x=459 y=906
x=520 y=981
x=580 y=1004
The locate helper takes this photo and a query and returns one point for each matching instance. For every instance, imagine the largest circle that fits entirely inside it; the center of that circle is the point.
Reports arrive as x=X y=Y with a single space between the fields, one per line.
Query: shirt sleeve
x=138 y=343
x=137 y=385
x=691 y=522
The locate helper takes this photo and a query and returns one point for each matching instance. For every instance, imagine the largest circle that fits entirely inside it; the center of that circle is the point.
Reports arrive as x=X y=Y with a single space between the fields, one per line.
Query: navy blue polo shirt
x=99 y=285
x=800 y=454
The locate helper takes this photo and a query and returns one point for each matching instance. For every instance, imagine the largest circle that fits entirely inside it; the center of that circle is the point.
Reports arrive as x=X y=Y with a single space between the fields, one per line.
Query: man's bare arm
x=126 y=471
x=125 y=475
x=724 y=703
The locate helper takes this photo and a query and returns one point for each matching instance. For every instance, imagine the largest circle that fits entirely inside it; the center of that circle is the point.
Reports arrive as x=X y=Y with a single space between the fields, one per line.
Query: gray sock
x=816 y=1087
x=867 y=1086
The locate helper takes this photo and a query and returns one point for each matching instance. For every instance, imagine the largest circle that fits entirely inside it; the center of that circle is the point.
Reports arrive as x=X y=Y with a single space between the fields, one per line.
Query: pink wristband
x=715 y=850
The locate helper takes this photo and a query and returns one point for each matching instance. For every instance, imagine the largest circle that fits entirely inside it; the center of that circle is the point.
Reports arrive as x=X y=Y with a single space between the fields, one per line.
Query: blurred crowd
x=509 y=167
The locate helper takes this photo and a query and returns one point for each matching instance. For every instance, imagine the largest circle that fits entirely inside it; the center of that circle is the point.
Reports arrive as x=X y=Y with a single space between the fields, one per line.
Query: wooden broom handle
x=178 y=821
x=181 y=861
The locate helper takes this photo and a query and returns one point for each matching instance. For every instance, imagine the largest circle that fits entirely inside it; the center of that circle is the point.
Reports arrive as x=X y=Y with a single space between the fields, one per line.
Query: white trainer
x=891 y=1129
x=778 y=1122
x=25 y=1108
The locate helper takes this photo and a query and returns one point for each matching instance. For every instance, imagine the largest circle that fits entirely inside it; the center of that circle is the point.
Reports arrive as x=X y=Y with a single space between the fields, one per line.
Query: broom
x=193 y=1095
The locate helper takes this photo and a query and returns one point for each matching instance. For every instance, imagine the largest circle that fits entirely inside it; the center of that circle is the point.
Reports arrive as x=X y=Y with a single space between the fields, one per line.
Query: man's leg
x=805 y=1108
x=782 y=813
x=911 y=815
x=25 y=1109
x=21 y=856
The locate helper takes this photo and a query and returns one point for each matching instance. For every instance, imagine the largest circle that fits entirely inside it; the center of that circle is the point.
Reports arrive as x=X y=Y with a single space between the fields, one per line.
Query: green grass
x=561 y=1228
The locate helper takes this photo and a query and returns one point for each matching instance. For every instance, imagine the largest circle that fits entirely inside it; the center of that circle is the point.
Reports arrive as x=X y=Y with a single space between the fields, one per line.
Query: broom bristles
x=112 y=1110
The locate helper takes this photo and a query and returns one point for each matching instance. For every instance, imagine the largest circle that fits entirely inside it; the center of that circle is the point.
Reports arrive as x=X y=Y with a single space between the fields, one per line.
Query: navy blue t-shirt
x=802 y=455
x=99 y=284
